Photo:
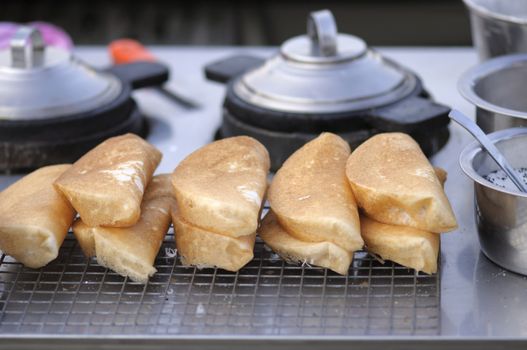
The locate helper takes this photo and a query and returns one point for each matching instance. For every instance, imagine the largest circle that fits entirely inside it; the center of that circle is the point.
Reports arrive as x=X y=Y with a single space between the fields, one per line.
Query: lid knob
x=322 y=31
x=27 y=48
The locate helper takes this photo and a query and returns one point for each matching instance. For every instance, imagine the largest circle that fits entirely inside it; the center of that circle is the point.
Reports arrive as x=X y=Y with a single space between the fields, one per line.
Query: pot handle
x=409 y=114
x=223 y=70
x=140 y=74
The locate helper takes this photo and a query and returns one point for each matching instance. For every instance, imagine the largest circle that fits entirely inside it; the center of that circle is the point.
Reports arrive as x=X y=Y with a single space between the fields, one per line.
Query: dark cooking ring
x=300 y=122
x=70 y=127
x=282 y=144
x=21 y=156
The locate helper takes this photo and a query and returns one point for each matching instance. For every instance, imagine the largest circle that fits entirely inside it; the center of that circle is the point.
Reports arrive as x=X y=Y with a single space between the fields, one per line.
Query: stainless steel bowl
x=499 y=27
x=501 y=215
x=497 y=88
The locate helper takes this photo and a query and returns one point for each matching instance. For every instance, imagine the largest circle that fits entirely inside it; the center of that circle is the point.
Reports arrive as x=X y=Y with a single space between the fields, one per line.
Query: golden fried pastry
x=34 y=217
x=85 y=237
x=325 y=254
x=441 y=175
x=221 y=186
x=131 y=251
x=394 y=183
x=106 y=185
x=311 y=197
x=203 y=248
x=406 y=246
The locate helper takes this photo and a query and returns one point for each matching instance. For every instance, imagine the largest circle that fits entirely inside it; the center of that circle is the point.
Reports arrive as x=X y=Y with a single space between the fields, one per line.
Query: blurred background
x=262 y=22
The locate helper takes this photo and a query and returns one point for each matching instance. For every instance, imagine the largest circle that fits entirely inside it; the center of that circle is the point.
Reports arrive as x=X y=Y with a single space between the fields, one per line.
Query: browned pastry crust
x=311 y=197
x=325 y=254
x=221 y=186
x=394 y=183
x=131 y=251
x=34 y=217
x=106 y=185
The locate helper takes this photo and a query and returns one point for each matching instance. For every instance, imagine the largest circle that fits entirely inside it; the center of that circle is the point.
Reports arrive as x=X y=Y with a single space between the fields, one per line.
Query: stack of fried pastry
x=313 y=216
x=219 y=191
x=124 y=211
x=120 y=223
x=34 y=217
x=214 y=198
x=402 y=201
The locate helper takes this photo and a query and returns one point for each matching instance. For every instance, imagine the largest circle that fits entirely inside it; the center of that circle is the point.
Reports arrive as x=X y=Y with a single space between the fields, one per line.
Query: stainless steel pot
x=501 y=215
x=499 y=27
x=497 y=89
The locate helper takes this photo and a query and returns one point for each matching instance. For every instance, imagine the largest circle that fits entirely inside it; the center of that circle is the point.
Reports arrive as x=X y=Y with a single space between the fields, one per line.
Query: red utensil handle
x=129 y=50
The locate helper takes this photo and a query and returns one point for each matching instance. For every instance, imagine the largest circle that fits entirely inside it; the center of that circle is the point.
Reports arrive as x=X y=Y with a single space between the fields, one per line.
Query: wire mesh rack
x=76 y=296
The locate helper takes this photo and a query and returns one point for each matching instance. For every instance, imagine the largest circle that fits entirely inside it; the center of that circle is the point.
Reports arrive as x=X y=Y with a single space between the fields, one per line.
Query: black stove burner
x=282 y=144
x=284 y=132
x=23 y=155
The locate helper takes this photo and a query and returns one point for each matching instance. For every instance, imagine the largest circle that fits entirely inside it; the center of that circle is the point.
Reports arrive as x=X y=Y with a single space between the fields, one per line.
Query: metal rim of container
x=468 y=154
x=483 y=11
x=468 y=80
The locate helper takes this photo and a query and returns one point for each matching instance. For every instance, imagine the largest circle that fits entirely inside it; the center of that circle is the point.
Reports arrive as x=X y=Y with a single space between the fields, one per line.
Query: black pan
x=29 y=144
x=284 y=132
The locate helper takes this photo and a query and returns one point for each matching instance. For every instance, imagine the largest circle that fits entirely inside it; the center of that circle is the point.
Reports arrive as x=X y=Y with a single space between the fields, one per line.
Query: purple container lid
x=52 y=34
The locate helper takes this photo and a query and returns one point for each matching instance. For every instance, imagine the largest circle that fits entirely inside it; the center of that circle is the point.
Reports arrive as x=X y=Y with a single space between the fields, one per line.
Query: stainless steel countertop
x=478 y=299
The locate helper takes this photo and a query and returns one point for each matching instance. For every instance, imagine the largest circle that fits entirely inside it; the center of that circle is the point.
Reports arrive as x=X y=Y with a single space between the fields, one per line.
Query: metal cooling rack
x=75 y=297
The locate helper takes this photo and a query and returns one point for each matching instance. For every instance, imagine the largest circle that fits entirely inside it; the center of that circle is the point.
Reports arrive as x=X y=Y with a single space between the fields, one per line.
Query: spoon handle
x=489 y=146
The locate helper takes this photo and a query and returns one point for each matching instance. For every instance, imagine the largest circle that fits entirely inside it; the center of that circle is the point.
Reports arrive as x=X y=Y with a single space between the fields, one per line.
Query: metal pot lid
x=39 y=82
x=325 y=72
